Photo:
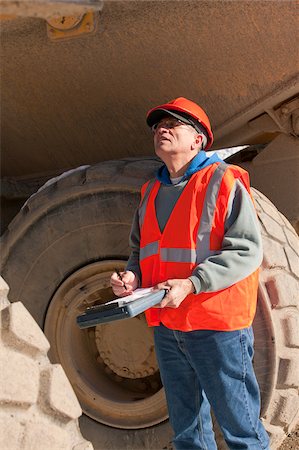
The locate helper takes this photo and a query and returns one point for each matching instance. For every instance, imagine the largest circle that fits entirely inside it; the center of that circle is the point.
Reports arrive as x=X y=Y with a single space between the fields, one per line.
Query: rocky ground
x=292 y=441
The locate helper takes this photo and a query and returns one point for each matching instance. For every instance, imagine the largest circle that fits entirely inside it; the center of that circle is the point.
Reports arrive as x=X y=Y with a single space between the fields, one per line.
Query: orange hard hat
x=185 y=109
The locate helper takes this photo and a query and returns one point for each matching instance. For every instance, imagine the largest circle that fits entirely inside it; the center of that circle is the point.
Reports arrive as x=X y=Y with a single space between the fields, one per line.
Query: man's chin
x=163 y=146
x=162 y=151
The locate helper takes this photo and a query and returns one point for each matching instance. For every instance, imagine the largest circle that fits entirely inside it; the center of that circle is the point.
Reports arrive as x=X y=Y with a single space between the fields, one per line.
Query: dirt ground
x=292 y=441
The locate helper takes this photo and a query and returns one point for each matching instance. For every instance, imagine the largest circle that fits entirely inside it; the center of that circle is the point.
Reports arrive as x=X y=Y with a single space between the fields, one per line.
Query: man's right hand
x=124 y=283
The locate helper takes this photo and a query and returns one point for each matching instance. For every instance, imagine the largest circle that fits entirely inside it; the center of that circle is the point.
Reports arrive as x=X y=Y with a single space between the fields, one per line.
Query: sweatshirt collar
x=200 y=161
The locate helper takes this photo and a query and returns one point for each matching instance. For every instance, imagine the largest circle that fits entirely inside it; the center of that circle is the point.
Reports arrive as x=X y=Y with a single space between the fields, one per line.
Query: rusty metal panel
x=73 y=102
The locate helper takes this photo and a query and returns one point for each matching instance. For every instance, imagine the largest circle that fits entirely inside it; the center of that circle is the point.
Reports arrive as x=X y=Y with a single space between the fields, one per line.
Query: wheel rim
x=112 y=367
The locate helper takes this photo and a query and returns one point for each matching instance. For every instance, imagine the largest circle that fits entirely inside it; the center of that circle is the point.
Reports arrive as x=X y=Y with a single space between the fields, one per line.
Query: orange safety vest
x=194 y=231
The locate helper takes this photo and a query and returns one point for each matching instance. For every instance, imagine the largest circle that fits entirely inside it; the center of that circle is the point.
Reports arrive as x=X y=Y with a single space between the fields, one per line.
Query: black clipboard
x=119 y=310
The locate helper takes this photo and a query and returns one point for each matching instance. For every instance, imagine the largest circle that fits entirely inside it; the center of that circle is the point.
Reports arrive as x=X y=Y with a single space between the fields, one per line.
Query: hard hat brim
x=159 y=114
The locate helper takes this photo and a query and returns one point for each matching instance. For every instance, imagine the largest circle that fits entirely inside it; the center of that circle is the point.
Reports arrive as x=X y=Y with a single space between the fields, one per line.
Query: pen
x=120 y=277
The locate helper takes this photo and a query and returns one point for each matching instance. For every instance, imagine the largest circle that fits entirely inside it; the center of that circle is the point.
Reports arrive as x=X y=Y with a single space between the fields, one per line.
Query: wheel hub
x=127 y=348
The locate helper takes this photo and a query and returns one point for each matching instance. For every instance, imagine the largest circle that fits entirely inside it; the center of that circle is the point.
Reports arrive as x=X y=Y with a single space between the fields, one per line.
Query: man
x=196 y=234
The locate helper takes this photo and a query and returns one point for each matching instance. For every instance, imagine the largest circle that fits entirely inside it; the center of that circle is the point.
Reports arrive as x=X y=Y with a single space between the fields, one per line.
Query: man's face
x=171 y=136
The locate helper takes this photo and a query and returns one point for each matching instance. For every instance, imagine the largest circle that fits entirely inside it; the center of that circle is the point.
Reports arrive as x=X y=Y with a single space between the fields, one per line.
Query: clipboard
x=119 y=309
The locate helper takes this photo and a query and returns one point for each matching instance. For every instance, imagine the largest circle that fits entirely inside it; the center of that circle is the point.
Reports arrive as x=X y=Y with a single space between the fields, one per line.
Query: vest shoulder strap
x=145 y=192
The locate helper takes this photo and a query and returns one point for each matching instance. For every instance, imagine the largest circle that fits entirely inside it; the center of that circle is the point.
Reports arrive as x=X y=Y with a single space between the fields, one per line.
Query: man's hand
x=124 y=283
x=178 y=290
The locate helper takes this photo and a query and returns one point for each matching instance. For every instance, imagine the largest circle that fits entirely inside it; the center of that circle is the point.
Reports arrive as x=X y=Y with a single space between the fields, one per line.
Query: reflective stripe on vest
x=143 y=203
x=149 y=250
x=204 y=231
x=168 y=254
x=178 y=255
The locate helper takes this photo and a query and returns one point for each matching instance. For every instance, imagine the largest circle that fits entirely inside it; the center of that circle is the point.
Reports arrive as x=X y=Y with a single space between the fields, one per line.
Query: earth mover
x=77 y=79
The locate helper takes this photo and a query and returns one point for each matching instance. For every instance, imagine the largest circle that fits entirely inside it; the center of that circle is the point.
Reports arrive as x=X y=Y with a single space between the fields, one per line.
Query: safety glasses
x=170 y=122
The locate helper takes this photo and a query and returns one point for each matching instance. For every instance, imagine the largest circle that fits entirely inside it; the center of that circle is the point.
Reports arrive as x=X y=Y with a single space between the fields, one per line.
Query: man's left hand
x=178 y=289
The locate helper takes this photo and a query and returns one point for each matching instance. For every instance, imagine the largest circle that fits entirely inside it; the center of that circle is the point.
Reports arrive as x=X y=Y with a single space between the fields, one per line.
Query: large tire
x=38 y=407
x=58 y=254
x=277 y=349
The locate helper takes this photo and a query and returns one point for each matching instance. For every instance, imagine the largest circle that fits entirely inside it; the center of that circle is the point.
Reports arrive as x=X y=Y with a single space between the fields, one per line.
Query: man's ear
x=197 y=142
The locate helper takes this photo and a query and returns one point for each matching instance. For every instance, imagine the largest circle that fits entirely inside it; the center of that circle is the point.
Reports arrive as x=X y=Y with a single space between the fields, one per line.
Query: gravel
x=292 y=441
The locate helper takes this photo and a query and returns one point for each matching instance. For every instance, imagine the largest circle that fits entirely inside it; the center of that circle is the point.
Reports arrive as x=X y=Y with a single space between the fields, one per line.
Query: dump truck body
x=83 y=99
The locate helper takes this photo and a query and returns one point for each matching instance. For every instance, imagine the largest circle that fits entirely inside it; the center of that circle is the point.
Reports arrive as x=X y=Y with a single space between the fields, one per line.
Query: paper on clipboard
x=137 y=294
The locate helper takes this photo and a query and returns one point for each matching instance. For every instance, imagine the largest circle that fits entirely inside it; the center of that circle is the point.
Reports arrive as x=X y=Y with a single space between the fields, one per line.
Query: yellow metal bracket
x=65 y=27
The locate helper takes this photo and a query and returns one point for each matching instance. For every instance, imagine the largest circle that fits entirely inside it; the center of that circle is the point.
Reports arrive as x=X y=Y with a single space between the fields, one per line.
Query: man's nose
x=163 y=128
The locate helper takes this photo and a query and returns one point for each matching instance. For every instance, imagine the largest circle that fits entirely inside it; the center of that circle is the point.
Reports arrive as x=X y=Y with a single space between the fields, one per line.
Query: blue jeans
x=202 y=368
